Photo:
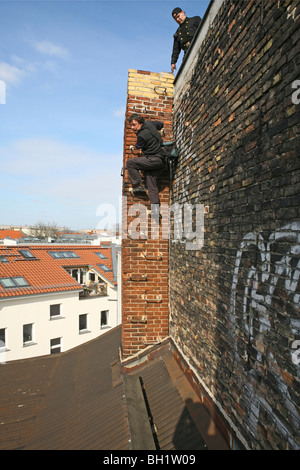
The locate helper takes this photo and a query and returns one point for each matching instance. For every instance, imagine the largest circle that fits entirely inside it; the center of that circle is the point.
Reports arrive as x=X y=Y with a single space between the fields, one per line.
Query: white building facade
x=41 y=323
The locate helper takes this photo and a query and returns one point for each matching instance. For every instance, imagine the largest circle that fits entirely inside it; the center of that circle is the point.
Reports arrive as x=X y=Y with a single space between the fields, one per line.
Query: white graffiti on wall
x=261 y=267
x=254 y=293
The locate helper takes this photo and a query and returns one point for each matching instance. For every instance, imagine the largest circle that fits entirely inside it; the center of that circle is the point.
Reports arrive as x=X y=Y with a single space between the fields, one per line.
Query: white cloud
x=11 y=74
x=14 y=73
x=48 y=48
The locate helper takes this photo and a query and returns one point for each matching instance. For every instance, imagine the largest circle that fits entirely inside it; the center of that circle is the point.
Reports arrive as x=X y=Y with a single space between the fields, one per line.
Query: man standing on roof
x=184 y=34
x=149 y=141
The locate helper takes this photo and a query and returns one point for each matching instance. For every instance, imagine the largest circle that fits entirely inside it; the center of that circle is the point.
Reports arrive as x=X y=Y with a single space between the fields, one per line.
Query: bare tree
x=44 y=230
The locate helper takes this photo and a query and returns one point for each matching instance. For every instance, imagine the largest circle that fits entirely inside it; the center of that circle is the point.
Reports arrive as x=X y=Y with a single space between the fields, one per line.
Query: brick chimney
x=145 y=313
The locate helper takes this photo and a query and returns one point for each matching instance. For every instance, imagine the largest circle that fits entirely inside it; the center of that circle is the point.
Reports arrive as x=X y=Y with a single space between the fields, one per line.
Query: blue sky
x=63 y=68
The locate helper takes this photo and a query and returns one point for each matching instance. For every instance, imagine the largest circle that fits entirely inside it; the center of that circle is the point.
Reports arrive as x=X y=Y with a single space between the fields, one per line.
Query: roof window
x=27 y=254
x=104 y=268
x=3 y=259
x=13 y=282
x=101 y=255
x=62 y=254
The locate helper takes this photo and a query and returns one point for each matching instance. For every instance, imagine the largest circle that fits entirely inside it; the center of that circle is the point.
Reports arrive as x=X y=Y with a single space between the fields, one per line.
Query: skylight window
x=27 y=254
x=62 y=254
x=104 y=268
x=3 y=259
x=101 y=255
x=12 y=282
x=7 y=282
x=20 y=281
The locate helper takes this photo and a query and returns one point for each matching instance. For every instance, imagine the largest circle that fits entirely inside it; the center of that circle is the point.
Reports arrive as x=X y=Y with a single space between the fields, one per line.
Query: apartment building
x=55 y=297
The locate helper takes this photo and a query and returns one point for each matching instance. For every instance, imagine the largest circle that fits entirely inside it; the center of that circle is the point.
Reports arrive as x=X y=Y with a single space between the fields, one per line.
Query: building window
x=7 y=282
x=63 y=254
x=3 y=345
x=83 y=323
x=101 y=255
x=20 y=281
x=104 y=267
x=55 y=345
x=104 y=319
x=80 y=274
x=27 y=334
x=3 y=259
x=2 y=339
x=27 y=254
x=55 y=310
x=13 y=282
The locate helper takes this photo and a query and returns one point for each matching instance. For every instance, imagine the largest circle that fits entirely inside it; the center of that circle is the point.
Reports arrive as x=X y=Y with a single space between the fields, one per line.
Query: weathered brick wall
x=234 y=304
x=144 y=250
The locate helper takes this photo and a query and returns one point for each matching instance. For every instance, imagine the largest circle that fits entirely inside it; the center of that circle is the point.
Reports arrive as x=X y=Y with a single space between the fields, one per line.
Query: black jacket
x=149 y=139
x=184 y=36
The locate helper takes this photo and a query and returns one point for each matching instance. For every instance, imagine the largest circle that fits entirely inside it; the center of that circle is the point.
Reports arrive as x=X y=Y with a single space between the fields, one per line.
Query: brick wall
x=144 y=249
x=234 y=304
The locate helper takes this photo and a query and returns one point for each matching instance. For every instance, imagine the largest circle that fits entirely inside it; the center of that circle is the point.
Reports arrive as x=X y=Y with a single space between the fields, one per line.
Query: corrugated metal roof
x=66 y=401
x=176 y=410
x=175 y=428
x=76 y=401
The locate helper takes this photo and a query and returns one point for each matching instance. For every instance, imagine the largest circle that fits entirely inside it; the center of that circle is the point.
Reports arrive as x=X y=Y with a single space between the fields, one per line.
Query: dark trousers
x=150 y=166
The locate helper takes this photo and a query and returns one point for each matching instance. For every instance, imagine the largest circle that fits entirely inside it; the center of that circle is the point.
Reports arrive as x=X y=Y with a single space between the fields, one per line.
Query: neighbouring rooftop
x=78 y=400
x=27 y=270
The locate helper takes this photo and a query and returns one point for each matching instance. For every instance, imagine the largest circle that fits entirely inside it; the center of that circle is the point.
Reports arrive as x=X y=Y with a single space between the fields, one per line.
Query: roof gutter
x=40 y=294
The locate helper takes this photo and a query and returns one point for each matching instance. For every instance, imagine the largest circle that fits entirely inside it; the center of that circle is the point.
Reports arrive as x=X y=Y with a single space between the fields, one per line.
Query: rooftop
x=80 y=400
x=38 y=269
x=13 y=234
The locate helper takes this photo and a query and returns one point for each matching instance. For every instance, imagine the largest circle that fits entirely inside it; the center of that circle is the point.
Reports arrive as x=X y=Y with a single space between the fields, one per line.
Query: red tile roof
x=13 y=234
x=46 y=274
